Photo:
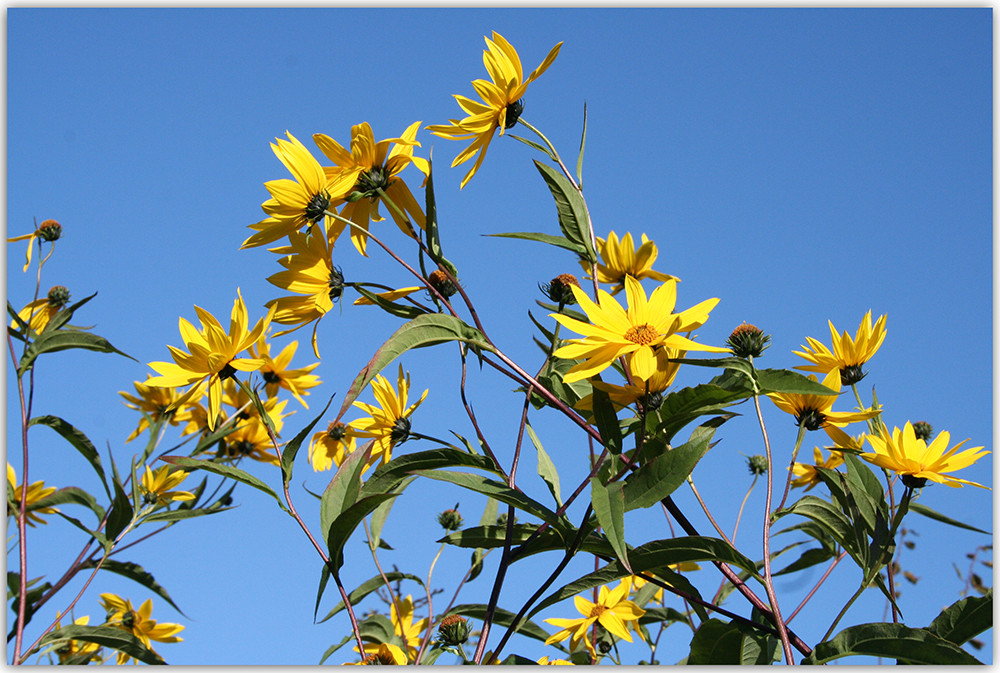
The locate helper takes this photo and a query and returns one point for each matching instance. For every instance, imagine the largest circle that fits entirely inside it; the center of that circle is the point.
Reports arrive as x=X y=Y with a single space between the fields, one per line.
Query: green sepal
x=502 y=618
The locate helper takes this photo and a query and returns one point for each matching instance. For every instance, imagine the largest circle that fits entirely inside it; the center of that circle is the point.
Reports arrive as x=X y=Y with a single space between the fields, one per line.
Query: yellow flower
x=848 y=354
x=806 y=475
x=622 y=259
x=612 y=611
x=402 y=621
x=156 y=486
x=137 y=622
x=77 y=648
x=372 y=168
x=614 y=332
x=332 y=446
x=276 y=373
x=310 y=274
x=212 y=355
x=545 y=661
x=49 y=230
x=640 y=389
x=389 y=423
x=814 y=411
x=297 y=203
x=39 y=313
x=36 y=493
x=382 y=655
x=916 y=461
x=250 y=438
x=155 y=403
x=501 y=104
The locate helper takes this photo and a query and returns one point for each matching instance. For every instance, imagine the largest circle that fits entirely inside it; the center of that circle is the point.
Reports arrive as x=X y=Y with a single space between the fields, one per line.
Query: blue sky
x=801 y=165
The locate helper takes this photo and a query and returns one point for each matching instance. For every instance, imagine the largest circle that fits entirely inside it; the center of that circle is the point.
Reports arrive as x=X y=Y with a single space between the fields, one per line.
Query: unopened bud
x=450 y=519
x=50 y=230
x=453 y=630
x=558 y=289
x=747 y=341
x=440 y=281
x=58 y=296
x=923 y=430
x=757 y=465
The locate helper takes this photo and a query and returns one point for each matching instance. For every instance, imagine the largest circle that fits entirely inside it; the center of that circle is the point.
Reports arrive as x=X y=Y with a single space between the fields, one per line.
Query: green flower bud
x=440 y=281
x=558 y=289
x=923 y=430
x=453 y=630
x=50 y=231
x=757 y=464
x=58 y=296
x=747 y=341
x=450 y=519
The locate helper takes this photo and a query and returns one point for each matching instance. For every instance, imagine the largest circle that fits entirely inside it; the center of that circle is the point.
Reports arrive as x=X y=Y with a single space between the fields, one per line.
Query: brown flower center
x=641 y=334
x=598 y=610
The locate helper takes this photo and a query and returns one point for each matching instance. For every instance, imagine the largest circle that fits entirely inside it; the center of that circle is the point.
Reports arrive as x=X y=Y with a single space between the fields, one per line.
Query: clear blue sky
x=801 y=165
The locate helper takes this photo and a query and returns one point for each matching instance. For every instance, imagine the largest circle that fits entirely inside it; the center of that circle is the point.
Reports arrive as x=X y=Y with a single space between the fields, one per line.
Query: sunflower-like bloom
x=331 y=446
x=815 y=411
x=137 y=622
x=301 y=202
x=614 y=332
x=650 y=392
x=39 y=313
x=545 y=661
x=612 y=610
x=501 y=106
x=311 y=275
x=848 y=354
x=388 y=423
x=212 y=355
x=36 y=492
x=156 y=486
x=49 y=230
x=622 y=259
x=276 y=373
x=383 y=654
x=806 y=474
x=155 y=403
x=372 y=169
x=250 y=438
x=917 y=461
x=402 y=621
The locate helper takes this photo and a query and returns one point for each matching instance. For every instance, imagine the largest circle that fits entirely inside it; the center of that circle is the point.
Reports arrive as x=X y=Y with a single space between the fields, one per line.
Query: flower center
x=641 y=334
x=812 y=419
x=514 y=111
x=336 y=431
x=317 y=206
x=270 y=377
x=336 y=284
x=371 y=181
x=400 y=431
x=598 y=610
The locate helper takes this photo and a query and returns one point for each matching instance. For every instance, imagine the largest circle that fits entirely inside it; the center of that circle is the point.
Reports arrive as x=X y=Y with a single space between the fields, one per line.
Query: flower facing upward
x=212 y=355
x=917 y=461
x=815 y=411
x=622 y=259
x=372 y=169
x=36 y=492
x=309 y=273
x=276 y=373
x=612 y=610
x=501 y=104
x=301 y=202
x=332 y=446
x=137 y=622
x=156 y=485
x=614 y=332
x=389 y=423
x=848 y=354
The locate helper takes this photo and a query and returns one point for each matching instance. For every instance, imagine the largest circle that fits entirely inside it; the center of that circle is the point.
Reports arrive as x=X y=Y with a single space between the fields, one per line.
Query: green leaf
x=491 y=536
x=716 y=643
x=787 y=381
x=609 y=507
x=407 y=311
x=333 y=648
x=683 y=406
x=344 y=489
x=121 y=512
x=534 y=145
x=107 y=636
x=893 y=641
x=425 y=330
x=606 y=420
x=382 y=513
x=388 y=476
x=558 y=241
x=964 y=619
x=136 y=573
x=225 y=471
x=831 y=519
x=502 y=618
x=809 y=558
x=572 y=210
x=78 y=440
x=583 y=142
x=660 y=476
x=367 y=587
x=937 y=516
x=546 y=468
x=345 y=524
x=179 y=514
x=69 y=495
x=292 y=448
x=501 y=492
x=64 y=339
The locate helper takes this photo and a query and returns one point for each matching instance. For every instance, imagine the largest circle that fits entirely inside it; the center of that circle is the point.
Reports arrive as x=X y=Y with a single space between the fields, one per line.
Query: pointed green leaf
x=571 y=208
x=292 y=448
x=346 y=523
x=583 y=143
x=344 y=489
x=107 y=636
x=660 y=476
x=388 y=476
x=121 y=512
x=425 y=330
x=407 y=311
x=606 y=420
x=546 y=468
x=680 y=407
x=787 y=381
x=716 y=643
x=532 y=144
x=64 y=339
x=558 y=241
x=894 y=641
x=79 y=442
x=136 y=573
x=367 y=587
x=609 y=507
x=964 y=619
x=937 y=516
x=225 y=471
x=382 y=513
x=333 y=648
